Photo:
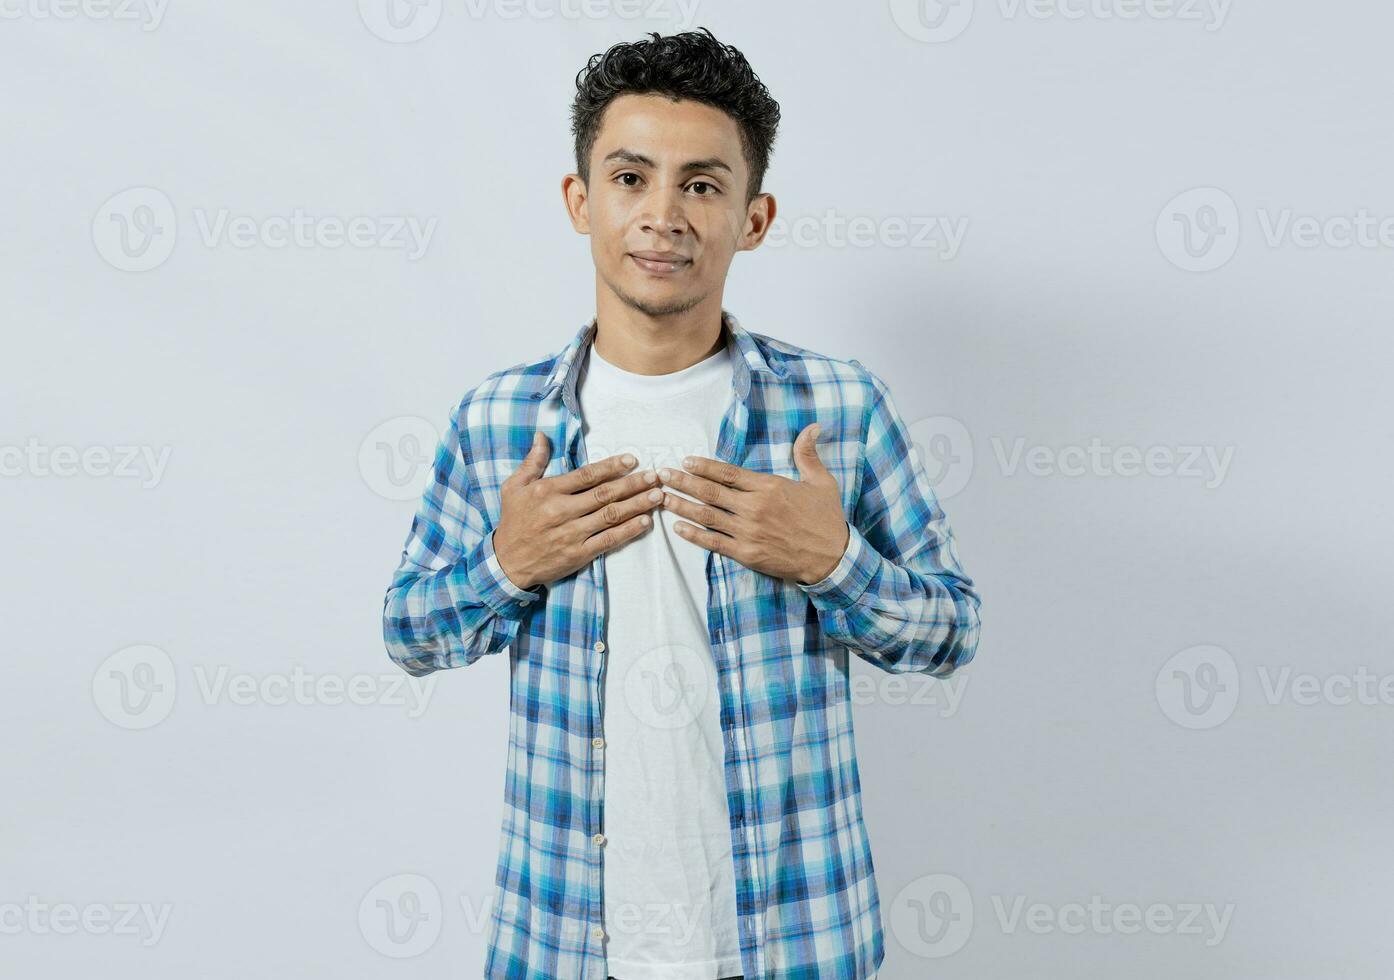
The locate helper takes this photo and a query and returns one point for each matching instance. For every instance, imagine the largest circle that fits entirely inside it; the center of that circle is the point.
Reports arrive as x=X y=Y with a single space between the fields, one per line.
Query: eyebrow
x=629 y=156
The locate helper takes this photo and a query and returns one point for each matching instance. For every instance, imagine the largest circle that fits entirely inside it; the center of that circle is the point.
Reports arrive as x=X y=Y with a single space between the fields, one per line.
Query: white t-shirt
x=669 y=877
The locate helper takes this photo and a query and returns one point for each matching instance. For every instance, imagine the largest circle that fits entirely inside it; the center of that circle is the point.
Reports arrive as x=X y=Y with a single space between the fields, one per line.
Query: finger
x=534 y=464
x=806 y=453
x=585 y=477
x=724 y=473
x=705 y=514
x=617 y=512
x=577 y=505
x=722 y=544
x=706 y=491
x=612 y=537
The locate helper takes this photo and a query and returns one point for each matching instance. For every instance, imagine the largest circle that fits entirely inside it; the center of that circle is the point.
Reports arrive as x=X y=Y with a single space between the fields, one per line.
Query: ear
x=573 y=191
x=758 y=218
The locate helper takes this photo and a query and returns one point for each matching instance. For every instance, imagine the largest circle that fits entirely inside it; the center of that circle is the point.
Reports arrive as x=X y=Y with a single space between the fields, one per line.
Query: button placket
x=749 y=925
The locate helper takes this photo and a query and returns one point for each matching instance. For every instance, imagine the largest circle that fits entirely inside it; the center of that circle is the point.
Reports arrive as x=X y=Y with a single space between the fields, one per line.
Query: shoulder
x=847 y=381
x=506 y=394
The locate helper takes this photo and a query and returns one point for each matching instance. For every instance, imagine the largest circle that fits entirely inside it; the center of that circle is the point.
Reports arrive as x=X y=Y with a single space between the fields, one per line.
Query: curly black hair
x=691 y=65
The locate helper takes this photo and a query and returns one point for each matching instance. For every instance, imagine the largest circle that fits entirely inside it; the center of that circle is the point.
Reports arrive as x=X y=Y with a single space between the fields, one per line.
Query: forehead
x=666 y=131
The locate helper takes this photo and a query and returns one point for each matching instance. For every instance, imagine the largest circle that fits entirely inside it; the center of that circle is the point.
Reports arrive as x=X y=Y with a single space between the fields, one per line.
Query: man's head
x=672 y=137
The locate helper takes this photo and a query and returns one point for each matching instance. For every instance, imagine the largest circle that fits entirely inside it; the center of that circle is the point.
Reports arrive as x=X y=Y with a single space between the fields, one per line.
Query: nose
x=662 y=213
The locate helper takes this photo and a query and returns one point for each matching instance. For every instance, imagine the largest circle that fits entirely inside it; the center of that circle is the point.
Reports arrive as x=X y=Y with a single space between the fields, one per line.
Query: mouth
x=660 y=263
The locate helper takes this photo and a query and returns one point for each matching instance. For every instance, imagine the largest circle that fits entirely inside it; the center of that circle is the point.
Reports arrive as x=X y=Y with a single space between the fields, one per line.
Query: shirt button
x=599 y=646
x=598 y=932
x=599 y=743
x=598 y=839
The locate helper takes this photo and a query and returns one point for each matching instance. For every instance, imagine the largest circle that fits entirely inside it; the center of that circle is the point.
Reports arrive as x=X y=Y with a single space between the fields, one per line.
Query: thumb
x=535 y=462
x=806 y=452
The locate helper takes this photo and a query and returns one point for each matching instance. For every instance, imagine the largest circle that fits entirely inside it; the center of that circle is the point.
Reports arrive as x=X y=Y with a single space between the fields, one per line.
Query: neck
x=642 y=344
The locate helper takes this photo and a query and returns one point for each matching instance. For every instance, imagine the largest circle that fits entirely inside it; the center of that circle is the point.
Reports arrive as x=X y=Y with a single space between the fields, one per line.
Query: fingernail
x=628 y=460
x=687 y=462
x=655 y=495
x=816 y=429
x=650 y=476
x=663 y=474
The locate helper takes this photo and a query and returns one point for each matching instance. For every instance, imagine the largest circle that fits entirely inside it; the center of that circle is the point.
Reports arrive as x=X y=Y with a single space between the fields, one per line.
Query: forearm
x=916 y=616
x=450 y=616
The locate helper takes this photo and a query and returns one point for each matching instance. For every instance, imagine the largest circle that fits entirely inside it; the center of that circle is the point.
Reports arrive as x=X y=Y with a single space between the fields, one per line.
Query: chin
x=661 y=302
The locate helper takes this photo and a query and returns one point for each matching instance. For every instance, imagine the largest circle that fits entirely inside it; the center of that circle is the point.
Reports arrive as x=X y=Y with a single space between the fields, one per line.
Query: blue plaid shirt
x=806 y=893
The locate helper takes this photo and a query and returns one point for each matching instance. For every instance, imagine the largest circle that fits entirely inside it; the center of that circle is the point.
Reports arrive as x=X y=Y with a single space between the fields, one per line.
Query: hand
x=550 y=527
x=791 y=529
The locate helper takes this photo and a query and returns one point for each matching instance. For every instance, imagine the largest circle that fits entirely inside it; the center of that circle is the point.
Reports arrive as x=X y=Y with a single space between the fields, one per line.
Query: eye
x=627 y=173
x=712 y=188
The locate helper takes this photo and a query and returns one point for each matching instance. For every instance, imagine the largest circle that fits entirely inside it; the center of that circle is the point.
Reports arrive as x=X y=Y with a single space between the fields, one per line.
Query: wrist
x=827 y=564
x=515 y=573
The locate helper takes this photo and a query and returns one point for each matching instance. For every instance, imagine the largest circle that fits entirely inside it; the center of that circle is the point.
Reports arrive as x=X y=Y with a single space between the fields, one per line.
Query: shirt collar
x=747 y=359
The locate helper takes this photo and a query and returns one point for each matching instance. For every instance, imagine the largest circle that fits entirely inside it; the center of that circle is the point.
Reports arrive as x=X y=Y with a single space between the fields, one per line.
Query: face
x=665 y=207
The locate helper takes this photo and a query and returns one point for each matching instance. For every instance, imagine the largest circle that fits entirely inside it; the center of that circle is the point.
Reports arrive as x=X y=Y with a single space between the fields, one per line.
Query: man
x=678 y=527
